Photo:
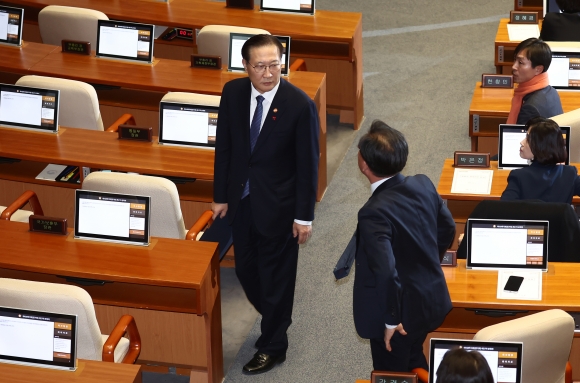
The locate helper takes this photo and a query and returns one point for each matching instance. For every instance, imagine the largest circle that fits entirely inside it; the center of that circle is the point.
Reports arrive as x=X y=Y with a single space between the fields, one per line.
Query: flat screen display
x=551 y=6
x=38 y=338
x=29 y=108
x=510 y=137
x=294 y=6
x=187 y=124
x=504 y=358
x=124 y=40
x=564 y=71
x=505 y=244
x=112 y=217
x=11 y=20
x=237 y=40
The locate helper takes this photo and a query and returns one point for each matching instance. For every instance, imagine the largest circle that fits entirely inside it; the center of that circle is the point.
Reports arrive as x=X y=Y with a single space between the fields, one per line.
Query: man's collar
x=378 y=183
x=267 y=95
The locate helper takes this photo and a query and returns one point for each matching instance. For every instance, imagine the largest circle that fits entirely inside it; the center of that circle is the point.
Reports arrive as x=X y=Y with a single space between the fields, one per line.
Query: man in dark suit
x=564 y=26
x=266 y=171
x=404 y=229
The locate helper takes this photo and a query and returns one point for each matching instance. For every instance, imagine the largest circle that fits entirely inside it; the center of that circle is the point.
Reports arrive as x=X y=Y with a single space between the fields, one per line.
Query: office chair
x=68 y=299
x=192 y=98
x=79 y=104
x=571 y=119
x=564 y=230
x=59 y=23
x=14 y=213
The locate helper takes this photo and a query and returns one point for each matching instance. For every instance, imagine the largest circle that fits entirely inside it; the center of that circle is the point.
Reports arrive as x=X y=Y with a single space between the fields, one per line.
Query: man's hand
x=389 y=332
x=303 y=232
x=219 y=209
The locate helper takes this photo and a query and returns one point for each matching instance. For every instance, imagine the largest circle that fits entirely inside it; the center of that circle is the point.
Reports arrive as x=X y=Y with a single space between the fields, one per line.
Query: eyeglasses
x=261 y=68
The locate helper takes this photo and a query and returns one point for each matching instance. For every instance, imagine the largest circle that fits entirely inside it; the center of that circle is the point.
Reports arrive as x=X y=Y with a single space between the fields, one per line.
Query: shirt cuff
x=305 y=223
x=390 y=326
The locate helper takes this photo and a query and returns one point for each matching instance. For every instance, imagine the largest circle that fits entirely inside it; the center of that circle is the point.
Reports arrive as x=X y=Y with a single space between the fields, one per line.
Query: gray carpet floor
x=421 y=61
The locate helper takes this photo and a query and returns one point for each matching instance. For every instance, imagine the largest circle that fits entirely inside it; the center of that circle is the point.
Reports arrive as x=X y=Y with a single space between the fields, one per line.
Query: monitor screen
x=510 y=137
x=294 y=6
x=29 y=108
x=11 y=20
x=124 y=40
x=512 y=244
x=551 y=6
x=187 y=124
x=38 y=338
x=237 y=40
x=564 y=71
x=504 y=358
x=112 y=217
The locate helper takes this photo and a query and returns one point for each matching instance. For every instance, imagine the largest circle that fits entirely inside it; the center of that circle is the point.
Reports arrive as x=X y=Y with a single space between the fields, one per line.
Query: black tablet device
x=124 y=40
x=11 y=20
x=551 y=6
x=187 y=124
x=29 y=108
x=564 y=71
x=237 y=40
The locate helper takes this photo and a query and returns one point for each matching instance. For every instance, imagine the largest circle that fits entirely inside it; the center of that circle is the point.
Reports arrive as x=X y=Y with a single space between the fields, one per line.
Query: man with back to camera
x=266 y=172
x=404 y=229
x=534 y=97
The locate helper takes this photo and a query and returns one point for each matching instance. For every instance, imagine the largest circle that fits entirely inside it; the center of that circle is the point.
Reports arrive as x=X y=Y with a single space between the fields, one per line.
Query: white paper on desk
x=472 y=181
x=50 y=172
x=520 y=32
x=530 y=290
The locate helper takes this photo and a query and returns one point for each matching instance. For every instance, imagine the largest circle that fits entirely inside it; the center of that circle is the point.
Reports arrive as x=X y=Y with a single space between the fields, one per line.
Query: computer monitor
x=507 y=244
x=551 y=6
x=38 y=338
x=11 y=20
x=29 y=108
x=510 y=137
x=237 y=40
x=292 y=6
x=564 y=71
x=504 y=358
x=187 y=124
x=112 y=217
x=125 y=40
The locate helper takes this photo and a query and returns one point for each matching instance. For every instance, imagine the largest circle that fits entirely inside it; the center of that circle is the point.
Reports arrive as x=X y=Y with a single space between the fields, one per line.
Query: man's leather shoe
x=262 y=362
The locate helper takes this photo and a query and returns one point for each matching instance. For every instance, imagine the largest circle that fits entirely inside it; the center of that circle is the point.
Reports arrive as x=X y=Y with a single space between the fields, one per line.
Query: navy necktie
x=254 y=133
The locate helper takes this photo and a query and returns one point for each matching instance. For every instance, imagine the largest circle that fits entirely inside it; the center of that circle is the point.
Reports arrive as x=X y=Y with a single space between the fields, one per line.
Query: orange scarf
x=536 y=83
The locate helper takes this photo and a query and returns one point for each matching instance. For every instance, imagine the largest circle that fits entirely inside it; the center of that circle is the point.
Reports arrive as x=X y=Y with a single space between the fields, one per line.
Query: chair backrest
x=214 y=40
x=166 y=217
x=547 y=338
x=192 y=98
x=79 y=104
x=564 y=230
x=571 y=119
x=57 y=298
x=59 y=23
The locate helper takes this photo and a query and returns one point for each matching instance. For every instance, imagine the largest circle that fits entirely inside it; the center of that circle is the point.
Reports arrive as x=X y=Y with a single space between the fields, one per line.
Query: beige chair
x=14 y=213
x=166 y=217
x=67 y=299
x=571 y=119
x=192 y=98
x=59 y=23
x=79 y=104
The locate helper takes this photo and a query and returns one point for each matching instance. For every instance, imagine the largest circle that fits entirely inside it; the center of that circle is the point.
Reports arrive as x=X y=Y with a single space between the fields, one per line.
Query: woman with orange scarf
x=533 y=97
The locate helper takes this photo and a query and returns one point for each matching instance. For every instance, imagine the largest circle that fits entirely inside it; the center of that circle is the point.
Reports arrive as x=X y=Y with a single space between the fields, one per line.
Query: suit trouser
x=266 y=268
x=406 y=354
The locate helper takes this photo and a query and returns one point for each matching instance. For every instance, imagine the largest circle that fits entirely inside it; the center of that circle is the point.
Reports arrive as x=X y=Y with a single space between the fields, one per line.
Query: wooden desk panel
x=171 y=288
x=21 y=59
x=88 y=371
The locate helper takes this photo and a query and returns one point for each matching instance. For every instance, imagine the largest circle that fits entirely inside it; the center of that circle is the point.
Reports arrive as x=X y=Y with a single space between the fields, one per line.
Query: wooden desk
x=330 y=42
x=88 y=371
x=170 y=287
x=490 y=107
x=20 y=59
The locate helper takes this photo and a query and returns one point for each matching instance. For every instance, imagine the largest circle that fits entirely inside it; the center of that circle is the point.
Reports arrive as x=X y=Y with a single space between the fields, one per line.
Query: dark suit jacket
x=541 y=103
x=561 y=27
x=283 y=168
x=403 y=230
x=549 y=183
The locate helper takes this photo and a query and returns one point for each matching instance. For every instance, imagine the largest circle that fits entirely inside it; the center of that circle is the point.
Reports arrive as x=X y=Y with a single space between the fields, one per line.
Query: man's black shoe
x=262 y=362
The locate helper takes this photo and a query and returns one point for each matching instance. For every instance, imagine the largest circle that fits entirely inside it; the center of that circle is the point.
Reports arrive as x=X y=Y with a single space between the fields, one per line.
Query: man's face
x=265 y=81
x=522 y=68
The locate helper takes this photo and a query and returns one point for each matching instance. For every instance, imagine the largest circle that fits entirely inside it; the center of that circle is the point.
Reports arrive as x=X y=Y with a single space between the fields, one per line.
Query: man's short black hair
x=569 y=6
x=535 y=50
x=259 y=41
x=384 y=149
x=546 y=141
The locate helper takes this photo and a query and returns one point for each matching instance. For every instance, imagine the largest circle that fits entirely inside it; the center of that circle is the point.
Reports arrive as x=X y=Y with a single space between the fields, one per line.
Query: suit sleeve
x=307 y=157
x=376 y=236
x=576 y=183
x=513 y=189
x=222 y=151
x=527 y=112
x=445 y=229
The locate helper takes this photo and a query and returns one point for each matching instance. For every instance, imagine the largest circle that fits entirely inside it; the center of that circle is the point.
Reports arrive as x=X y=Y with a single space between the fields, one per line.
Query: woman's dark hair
x=569 y=6
x=546 y=141
x=460 y=366
x=384 y=149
